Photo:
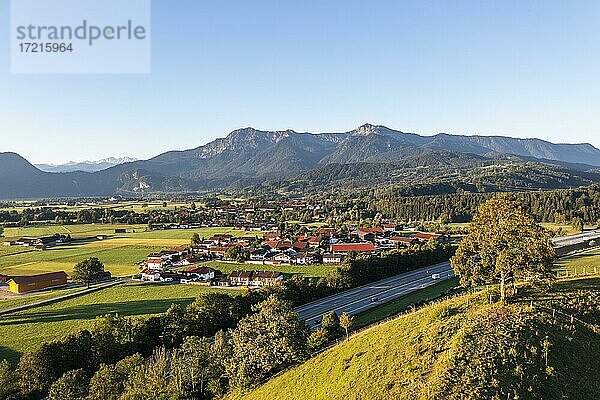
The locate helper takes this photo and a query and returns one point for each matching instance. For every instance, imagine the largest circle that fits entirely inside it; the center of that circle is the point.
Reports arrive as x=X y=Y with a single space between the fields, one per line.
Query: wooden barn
x=25 y=284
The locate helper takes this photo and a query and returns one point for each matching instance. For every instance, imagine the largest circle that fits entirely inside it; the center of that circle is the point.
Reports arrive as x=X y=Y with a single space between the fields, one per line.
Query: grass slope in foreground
x=459 y=348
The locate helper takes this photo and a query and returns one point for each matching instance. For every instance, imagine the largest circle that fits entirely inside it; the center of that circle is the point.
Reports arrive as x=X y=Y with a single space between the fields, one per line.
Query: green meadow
x=581 y=264
x=10 y=300
x=121 y=253
x=26 y=330
x=317 y=270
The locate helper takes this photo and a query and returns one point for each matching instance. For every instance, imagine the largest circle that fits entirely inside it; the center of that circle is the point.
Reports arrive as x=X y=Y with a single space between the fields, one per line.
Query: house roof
x=149 y=272
x=300 y=245
x=155 y=260
x=371 y=230
x=241 y=274
x=402 y=239
x=38 y=278
x=345 y=247
x=267 y=274
x=325 y=231
x=271 y=243
x=426 y=236
x=199 y=270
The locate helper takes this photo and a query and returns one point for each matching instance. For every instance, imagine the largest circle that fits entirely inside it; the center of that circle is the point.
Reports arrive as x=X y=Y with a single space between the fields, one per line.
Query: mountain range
x=367 y=155
x=85 y=166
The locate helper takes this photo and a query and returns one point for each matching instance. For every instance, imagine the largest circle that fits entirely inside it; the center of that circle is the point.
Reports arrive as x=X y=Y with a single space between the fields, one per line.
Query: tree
x=346 y=322
x=331 y=324
x=318 y=339
x=161 y=378
x=9 y=388
x=1 y=230
x=88 y=271
x=266 y=342
x=71 y=386
x=197 y=362
x=108 y=383
x=577 y=224
x=236 y=253
x=504 y=243
x=195 y=241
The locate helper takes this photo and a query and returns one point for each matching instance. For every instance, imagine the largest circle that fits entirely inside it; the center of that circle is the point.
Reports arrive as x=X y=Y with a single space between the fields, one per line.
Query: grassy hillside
x=460 y=348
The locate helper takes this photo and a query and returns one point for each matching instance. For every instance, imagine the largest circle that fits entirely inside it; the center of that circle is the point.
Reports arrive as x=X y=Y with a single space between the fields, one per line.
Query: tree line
x=559 y=206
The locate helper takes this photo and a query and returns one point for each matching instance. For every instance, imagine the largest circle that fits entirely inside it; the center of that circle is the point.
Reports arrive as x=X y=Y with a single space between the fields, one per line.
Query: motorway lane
x=360 y=299
x=575 y=239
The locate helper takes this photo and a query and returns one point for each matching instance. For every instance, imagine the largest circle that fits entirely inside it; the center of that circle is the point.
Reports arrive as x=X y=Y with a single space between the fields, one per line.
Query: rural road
x=362 y=298
x=575 y=239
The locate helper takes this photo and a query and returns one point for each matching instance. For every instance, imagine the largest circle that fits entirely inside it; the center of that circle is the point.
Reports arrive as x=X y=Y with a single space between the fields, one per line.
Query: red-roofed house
x=368 y=233
x=389 y=227
x=424 y=237
x=343 y=248
x=156 y=263
x=150 y=275
x=325 y=231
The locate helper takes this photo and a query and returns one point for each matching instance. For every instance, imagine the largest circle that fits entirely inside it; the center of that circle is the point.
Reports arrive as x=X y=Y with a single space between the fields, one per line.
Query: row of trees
x=560 y=206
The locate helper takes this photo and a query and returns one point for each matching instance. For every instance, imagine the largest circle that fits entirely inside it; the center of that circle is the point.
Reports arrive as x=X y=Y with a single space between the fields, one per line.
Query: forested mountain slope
x=366 y=155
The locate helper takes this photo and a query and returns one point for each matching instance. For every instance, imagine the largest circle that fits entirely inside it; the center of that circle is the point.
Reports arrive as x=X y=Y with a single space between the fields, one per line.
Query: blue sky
x=517 y=68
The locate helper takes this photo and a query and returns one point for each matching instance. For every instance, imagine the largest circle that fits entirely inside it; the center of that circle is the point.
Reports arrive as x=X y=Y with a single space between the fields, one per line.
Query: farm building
x=24 y=284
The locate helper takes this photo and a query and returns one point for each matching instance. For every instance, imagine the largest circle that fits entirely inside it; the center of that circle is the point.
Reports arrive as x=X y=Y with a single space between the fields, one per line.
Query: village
x=322 y=246
x=187 y=263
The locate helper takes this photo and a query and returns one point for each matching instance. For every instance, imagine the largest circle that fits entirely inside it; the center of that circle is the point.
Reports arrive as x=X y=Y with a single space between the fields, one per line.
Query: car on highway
x=435 y=276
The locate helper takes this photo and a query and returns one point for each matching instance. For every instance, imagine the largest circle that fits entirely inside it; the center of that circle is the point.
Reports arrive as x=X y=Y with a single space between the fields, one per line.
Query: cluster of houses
x=251 y=216
x=323 y=245
x=41 y=243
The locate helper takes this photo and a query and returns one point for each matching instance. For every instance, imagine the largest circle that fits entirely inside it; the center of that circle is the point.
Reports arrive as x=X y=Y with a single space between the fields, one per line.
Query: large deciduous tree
x=504 y=243
x=88 y=271
x=265 y=342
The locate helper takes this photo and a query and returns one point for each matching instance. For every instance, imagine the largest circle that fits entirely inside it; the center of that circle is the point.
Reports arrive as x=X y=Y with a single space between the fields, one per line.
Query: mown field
x=25 y=330
x=119 y=252
x=317 y=270
x=136 y=206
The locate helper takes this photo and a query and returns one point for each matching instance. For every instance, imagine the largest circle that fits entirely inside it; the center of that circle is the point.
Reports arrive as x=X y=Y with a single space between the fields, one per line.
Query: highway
x=575 y=239
x=362 y=298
